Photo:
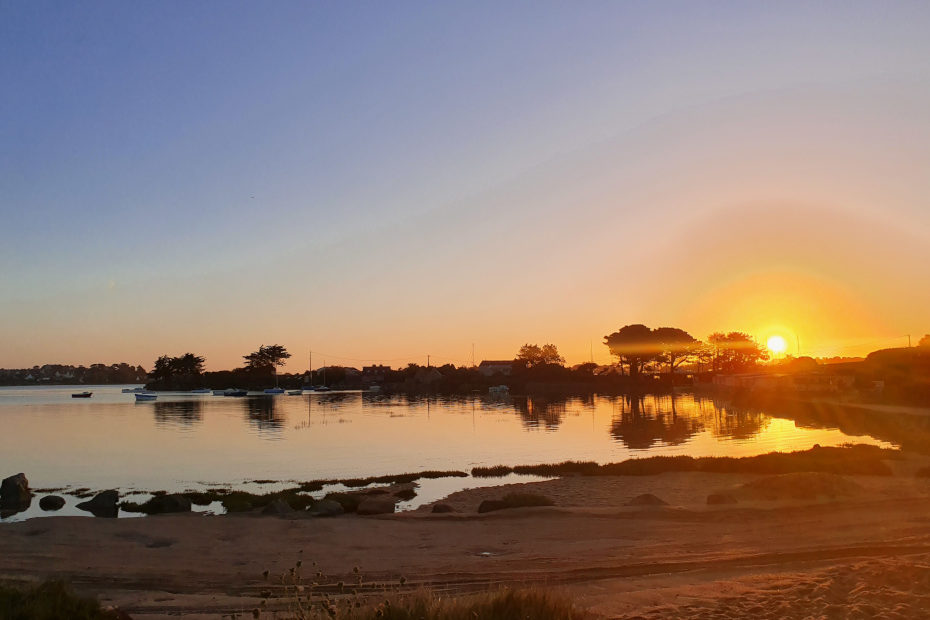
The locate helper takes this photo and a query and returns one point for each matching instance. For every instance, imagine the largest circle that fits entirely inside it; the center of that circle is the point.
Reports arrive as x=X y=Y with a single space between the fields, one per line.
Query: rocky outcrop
x=104 y=504
x=326 y=508
x=14 y=492
x=376 y=505
x=162 y=504
x=443 y=508
x=51 y=502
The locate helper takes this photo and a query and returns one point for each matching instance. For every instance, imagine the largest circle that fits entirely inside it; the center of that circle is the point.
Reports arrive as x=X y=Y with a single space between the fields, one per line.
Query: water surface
x=185 y=441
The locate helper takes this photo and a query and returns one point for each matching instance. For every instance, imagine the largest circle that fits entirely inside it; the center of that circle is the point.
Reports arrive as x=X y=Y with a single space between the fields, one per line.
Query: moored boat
x=201 y=391
x=82 y=395
x=233 y=392
x=133 y=390
x=144 y=397
x=274 y=390
x=295 y=392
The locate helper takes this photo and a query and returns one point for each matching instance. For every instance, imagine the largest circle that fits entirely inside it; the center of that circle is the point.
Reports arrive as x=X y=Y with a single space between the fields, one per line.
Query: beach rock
x=377 y=505
x=102 y=504
x=490 y=505
x=405 y=494
x=326 y=508
x=646 y=499
x=14 y=491
x=161 y=504
x=278 y=507
x=442 y=508
x=715 y=499
x=51 y=502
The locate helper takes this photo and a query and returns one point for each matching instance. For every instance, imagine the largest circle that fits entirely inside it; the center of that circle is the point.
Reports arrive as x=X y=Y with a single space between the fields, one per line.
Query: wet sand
x=861 y=555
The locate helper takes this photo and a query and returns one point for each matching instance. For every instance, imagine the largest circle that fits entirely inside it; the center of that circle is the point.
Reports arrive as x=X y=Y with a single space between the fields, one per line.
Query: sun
x=777 y=345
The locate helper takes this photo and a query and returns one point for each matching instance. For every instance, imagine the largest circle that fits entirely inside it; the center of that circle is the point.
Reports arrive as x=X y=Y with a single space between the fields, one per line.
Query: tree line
x=186 y=372
x=639 y=348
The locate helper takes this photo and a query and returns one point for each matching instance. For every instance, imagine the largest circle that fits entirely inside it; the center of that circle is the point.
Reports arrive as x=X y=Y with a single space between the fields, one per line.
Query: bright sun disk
x=777 y=345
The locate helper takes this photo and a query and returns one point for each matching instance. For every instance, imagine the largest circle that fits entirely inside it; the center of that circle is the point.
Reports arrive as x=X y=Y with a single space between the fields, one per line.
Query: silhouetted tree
x=266 y=359
x=925 y=341
x=677 y=346
x=534 y=355
x=736 y=351
x=633 y=345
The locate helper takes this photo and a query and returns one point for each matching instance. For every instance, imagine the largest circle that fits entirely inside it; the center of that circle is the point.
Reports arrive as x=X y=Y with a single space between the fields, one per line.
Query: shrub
x=51 y=600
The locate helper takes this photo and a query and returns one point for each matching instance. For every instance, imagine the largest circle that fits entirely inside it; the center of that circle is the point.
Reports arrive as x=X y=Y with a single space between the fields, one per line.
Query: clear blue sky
x=385 y=180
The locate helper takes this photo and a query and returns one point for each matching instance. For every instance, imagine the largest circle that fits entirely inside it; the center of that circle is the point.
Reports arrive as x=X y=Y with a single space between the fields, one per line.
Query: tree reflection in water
x=262 y=414
x=184 y=413
x=641 y=422
x=537 y=411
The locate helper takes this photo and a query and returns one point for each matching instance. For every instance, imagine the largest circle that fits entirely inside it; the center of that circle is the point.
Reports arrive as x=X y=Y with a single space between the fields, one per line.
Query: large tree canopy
x=633 y=345
x=637 y=345
x=266 y=359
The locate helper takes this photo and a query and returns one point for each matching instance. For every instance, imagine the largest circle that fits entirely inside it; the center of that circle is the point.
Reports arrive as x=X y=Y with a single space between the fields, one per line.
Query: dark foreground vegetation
x=296 y=497
x=535 y=604
x=52 y=600
x=851 y=460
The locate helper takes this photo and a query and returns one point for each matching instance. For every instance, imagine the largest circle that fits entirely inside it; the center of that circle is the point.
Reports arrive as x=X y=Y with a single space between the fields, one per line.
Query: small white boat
x=295 y=392
x=144 y=397
x=201 y=391
x=275 y=390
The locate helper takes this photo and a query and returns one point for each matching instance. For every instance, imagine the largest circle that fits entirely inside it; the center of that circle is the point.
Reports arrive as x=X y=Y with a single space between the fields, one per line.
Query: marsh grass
x=52 y=600
x=848 y=459
x=352 y=598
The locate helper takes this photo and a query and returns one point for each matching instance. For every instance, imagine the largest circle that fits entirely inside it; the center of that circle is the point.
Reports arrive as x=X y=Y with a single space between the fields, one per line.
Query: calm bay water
x=184 y=441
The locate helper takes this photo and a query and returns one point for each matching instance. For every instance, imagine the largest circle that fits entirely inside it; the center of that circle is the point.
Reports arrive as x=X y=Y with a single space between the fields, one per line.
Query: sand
x=864 y=553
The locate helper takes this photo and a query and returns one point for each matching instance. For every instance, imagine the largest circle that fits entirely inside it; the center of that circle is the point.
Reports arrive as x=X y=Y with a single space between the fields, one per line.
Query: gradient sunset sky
x=387 y=180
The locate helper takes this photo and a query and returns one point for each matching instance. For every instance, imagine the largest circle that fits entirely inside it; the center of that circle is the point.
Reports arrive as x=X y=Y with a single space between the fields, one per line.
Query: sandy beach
x=770 y=557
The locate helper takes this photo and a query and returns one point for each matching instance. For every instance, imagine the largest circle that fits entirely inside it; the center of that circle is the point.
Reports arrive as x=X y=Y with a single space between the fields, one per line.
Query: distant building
x=375 y=374
x=495 y=367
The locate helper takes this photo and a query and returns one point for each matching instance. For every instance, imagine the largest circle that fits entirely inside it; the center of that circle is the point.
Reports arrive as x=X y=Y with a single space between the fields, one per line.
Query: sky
x=378 y=182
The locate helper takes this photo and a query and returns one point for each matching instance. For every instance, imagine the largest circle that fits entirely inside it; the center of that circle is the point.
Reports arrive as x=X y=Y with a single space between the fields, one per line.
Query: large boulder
x=326 y=508
x=161 y=504
x=104 y=504
x=14 y=492
x=278 y=507
x=377 y=505
x=442 y=508
x=51 y=502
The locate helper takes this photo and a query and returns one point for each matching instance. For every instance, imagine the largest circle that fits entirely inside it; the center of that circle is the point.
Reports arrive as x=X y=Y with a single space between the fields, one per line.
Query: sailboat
x=275 y=389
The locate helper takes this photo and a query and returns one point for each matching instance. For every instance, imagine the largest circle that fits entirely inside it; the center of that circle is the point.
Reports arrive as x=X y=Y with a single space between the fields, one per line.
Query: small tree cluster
x=533 y=355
